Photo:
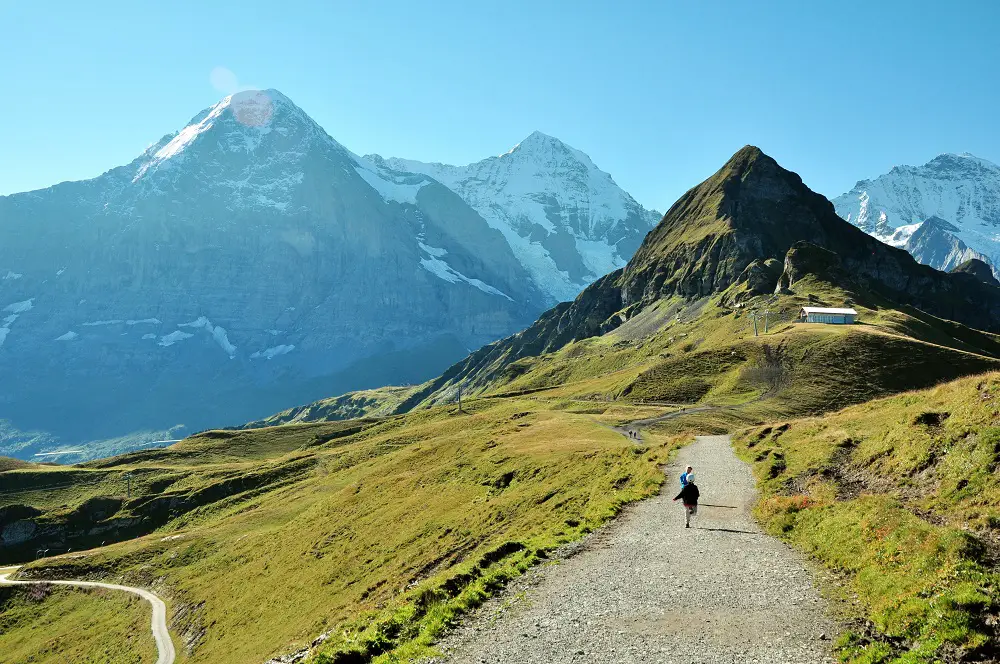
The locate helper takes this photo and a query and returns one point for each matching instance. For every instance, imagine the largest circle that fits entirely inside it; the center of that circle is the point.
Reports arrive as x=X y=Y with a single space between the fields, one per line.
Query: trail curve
x=158 y=624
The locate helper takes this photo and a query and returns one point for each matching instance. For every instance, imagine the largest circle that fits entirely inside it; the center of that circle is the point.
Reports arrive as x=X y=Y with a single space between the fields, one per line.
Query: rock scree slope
x=645 y=589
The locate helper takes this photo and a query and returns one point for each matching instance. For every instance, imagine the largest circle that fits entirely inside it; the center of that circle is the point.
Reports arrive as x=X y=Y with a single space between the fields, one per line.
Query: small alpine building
x=830 y=316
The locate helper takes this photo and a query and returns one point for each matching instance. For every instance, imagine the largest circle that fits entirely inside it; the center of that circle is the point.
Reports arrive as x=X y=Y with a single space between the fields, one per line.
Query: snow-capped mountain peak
x=537 y=142
x=566 y=220
x=239 y=124
x=950 y=206
x=964 y=162
x=239 y=266
x=254 y=148
x=185 y=137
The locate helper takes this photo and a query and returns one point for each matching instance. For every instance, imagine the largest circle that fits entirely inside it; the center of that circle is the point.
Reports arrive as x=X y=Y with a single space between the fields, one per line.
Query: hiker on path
x=684 y=476
x=689 y=497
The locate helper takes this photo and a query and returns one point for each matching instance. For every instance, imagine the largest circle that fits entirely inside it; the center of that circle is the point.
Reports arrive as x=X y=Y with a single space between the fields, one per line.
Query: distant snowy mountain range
x=250 y=262
x=567 y=221
x=944 y=212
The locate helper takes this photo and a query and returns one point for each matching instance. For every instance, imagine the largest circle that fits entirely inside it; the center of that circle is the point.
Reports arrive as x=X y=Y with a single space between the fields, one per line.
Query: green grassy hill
x=388 y=529
x=377 y=518
x=52 y=625
x=391 y=527
x=901 y=496
x=7 y=463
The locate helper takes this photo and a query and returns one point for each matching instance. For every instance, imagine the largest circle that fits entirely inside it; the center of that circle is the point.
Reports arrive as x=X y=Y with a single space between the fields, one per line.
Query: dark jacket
x=689 y=494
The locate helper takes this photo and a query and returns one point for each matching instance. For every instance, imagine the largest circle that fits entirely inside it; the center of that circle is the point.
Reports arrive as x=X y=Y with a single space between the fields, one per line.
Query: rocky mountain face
x=245 y=264
x=979 y=270
x=934 y=242
x=960 y=194
x=565 y=219
x=753 y=221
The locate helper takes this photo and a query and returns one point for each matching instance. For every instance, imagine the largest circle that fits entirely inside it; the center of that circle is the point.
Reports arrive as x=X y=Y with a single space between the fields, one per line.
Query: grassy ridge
x=384 y=530
x=386 y=535
x=51 y=625
x=703 y=350
x=901 y=495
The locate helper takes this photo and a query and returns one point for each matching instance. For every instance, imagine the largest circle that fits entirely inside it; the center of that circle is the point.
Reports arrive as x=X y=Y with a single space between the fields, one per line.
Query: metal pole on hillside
x=128 y=480
x=753 y=317
x=766 y=312
x=460 y=397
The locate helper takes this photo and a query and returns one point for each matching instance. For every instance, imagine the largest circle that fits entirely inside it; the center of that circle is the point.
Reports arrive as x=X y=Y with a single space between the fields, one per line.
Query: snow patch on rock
x=20 y=307
x=902 y=235
x=69 y=336
x=391 y=186
x=173 y=337
x=217 y=332
x=12 y=275
x=184 y=138
x=273 y=351
x=439 y=268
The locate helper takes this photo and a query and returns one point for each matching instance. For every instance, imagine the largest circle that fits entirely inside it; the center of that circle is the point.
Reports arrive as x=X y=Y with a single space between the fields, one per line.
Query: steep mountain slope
x=901 y=497
x=934 y=242
x=565 y=219
x=961 y=190
x=377 y=532
x=247 y=263
x=751 y=211
x=979 y=270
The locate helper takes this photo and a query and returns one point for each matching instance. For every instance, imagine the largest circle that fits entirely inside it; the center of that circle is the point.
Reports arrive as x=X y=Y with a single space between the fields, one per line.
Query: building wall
x=830 y=319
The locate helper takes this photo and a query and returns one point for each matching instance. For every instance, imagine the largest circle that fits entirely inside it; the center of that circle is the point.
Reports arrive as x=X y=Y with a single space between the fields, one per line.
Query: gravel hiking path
x=645 y=589
x=158 y=624
x=633 y=429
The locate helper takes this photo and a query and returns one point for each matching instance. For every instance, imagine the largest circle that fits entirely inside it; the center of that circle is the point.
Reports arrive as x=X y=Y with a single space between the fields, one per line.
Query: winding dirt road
x=164 y=646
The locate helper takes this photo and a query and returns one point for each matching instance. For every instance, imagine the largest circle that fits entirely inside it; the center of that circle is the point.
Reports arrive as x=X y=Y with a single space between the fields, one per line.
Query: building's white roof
x=827 y=310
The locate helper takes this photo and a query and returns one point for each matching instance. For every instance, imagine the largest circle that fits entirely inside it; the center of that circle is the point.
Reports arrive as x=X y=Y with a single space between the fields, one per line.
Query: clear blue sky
x=659 y=93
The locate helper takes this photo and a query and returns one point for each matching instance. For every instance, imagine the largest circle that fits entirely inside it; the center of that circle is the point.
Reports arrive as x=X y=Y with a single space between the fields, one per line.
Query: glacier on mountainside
x=567 y=221
x=960 y=191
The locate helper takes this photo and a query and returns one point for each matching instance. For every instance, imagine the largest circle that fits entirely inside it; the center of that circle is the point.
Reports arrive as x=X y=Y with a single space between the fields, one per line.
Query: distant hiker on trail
x=689 y=497
x=684 y=476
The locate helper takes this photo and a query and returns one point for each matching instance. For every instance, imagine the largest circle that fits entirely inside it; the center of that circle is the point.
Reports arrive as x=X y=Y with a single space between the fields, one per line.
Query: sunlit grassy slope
x=382 y=530
x=902 y=496
x=705 y=351
x=50 y=625
x=388 y=531
x=6 y=463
